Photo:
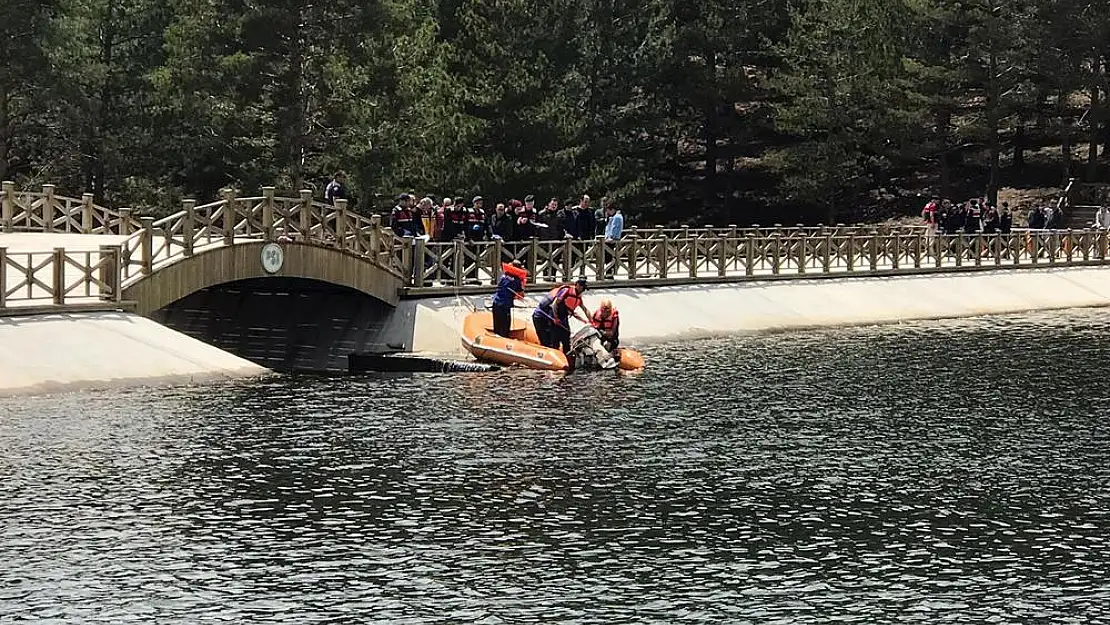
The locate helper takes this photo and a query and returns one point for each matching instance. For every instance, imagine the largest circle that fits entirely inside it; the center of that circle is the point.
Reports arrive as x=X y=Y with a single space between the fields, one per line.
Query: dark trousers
x=502 y=320
x=543 y=328
x=561 y=336
x=552 y=334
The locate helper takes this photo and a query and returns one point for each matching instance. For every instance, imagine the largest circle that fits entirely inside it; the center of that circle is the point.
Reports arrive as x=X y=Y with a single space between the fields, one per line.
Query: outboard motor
x=588 y=351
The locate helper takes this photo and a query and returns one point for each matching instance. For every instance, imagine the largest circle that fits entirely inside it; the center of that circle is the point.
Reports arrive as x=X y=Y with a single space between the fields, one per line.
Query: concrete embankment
x=666 y=313
x=60 y=352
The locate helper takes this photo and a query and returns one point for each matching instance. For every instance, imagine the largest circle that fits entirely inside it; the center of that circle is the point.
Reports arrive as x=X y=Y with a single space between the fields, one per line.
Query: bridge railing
x=266 y=217
x=657 y=258
x=59 y=277
x=32 y=211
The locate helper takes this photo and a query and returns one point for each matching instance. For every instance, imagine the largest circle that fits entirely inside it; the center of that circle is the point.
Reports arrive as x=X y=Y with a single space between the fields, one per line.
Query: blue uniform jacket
x=507 y=288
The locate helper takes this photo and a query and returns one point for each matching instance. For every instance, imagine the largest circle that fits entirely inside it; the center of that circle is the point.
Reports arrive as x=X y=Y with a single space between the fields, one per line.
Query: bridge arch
x=243 y=261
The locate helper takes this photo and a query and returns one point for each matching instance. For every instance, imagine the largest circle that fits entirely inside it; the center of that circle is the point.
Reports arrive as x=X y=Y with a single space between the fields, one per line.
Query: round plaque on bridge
x=272 y=257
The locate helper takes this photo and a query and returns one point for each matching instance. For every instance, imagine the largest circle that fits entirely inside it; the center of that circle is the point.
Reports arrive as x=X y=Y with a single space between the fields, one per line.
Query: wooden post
x=48 y=208
x=87 y=213
x=826 y=253
x=188 y=226
x=533 y=258
x=496 y=251
x=851 y=236
x=59 y=267
x=776 y=251
x=633 y=253
x=599 y=257
x=7 y=206
x=376 y=238
x=4 y=273
x=419 y=260
x=229 y=215
x=341 y=227
x=749 y=254
x=459 y=261
x=663 y=257
x=722 y=252
x=568 y=263
x=406 y=260
x=873 y=251
x=268 y=213
x=306 y=215
x=147 y=245
x=125 y=222
x=692 y=251
x=109 y=272
x=897 y=255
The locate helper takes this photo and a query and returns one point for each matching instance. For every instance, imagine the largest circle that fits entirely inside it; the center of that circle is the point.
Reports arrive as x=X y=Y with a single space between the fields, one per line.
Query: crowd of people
x=978 y=216
x=971 y=217
x=512 y=220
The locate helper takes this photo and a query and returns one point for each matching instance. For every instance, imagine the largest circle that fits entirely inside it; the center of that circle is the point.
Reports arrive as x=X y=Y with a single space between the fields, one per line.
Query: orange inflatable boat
x=523 y=346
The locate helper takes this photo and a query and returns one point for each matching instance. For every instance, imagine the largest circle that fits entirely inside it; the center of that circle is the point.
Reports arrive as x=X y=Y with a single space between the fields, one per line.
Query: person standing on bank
x=509 y=289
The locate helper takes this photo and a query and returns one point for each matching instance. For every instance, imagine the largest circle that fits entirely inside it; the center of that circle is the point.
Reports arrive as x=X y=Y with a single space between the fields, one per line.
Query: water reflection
x=933 y=472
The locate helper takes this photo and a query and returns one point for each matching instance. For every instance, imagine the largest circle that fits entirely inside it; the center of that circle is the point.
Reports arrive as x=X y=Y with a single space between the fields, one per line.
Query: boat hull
x=523 y=348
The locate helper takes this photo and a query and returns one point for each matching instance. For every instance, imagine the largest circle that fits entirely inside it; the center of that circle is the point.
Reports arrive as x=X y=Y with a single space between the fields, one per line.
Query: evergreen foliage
x=685 y=110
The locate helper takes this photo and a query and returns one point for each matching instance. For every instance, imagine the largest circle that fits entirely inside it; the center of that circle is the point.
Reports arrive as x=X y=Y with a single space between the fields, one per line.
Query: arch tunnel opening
x=284 y=324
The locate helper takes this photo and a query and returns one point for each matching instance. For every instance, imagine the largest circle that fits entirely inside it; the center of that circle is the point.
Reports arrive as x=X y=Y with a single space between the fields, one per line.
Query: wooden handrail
x=60 y=277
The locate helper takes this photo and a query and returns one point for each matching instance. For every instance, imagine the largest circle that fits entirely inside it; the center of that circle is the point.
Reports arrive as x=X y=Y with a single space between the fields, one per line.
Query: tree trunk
x=710 y=122
x=297 y=60
x=1065 y=136
x=992 y=126
x=5 y=130
x=1095 y=119
x=944 y=122
x=96 y=173
x=1019 y=148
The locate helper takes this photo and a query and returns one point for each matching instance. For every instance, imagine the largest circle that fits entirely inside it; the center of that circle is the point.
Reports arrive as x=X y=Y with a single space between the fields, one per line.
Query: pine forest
x=683 y=111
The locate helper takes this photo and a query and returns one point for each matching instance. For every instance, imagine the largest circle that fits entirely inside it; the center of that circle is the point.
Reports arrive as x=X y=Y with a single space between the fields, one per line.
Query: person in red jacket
x=608 y=323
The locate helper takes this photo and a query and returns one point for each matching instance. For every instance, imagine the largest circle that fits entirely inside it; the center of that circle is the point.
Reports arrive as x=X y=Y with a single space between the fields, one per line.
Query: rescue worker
x=608 y=324
x=476 y=228
x=509 y=288
x=404 y=219
x=552 y=315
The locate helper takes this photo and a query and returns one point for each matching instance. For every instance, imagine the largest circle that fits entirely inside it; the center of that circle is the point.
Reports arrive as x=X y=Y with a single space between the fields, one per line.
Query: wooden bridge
x=63 y=253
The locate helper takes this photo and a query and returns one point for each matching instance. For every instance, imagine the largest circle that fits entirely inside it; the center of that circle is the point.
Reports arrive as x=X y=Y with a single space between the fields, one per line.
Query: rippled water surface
x=937 y=472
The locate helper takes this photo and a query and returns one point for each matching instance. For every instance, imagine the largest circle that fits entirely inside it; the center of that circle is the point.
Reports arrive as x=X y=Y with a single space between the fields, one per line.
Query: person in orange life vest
x=552 y=315
x=509 y=288
x=608 y=323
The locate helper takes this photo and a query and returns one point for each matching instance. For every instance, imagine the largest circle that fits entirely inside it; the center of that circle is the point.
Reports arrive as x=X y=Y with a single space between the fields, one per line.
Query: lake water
x=941 y=472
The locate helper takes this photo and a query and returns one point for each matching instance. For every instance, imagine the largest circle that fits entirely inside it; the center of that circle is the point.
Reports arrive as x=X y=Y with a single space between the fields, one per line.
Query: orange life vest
x=513 y=270
x=606 y=325
x=567 y=295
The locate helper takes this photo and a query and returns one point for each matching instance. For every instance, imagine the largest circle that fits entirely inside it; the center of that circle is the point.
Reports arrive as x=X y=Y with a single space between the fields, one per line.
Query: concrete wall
x=52 y=353
x=649 y=315
x=60 y=352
